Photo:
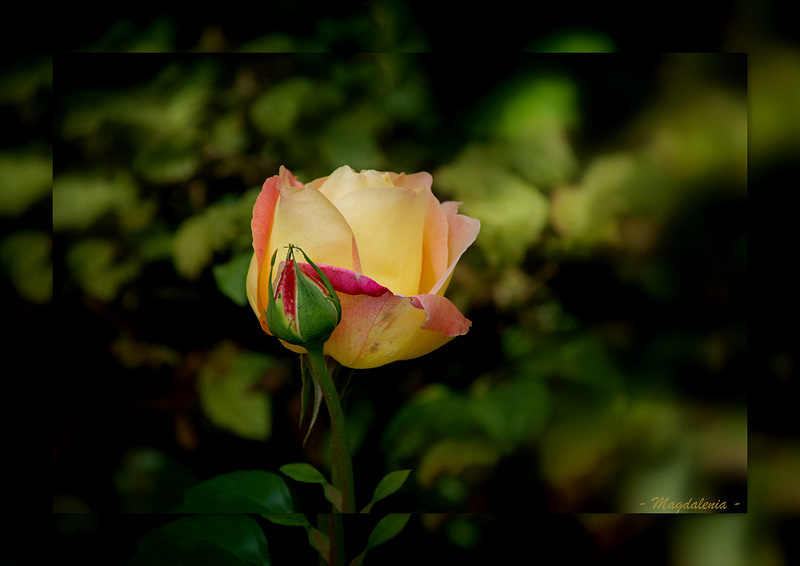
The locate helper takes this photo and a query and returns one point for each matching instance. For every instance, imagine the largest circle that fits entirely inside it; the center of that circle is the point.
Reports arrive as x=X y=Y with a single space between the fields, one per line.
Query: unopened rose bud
x=302 y=309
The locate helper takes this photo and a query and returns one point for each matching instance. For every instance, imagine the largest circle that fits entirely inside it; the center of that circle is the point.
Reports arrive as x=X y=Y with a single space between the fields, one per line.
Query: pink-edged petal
x=264 y=209
x=441 y=315
x=415 y=181
x=347 y=281
x=261 y=226
x=462 y=231
x=379 y=327
x=434 y=245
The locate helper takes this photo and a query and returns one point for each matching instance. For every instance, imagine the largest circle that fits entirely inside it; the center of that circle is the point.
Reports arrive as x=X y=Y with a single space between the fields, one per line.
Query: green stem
x=322 y=525
x=336 y=538
x=331 y=525
x=341 y=465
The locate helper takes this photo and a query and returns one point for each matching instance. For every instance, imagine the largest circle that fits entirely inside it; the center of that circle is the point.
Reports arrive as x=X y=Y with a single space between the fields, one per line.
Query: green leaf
x=307 y=473
x=320 y=542
x=287 y=519
x=386 y=529
x=101 y=268
x=25 y=178
x=230 y=277
x=387 y=486
x=220 y=227
x=276 y=110
x=169 y=161
x=253 y=491
x=81 y=200
x=25 y=259
x=193 y=247
x=303 y=472
x=589 y=214
x=454 y=457
x=208 y=540
x=433 y=414
x=513 y=412
x=230 y=385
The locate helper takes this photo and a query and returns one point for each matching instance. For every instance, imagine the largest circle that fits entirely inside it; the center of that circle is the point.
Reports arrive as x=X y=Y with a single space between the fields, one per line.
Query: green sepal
x=316 y=313
x=332 y=296
x=276 y=323
x=310 y=387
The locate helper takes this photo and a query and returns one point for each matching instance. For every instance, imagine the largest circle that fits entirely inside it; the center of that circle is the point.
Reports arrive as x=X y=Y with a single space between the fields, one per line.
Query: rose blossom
x=387 y=245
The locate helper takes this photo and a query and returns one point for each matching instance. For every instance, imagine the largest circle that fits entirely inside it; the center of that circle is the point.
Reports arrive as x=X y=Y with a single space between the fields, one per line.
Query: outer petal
x=261 y=226
x=414 y=181
x=462 y=231
x=264 y=209
x=379 y=327
x=251 y=285
x=441 y=315
x=435 y=233
x=435 y=248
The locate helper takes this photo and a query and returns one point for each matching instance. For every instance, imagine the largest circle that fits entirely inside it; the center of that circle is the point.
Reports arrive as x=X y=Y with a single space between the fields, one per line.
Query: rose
x=387 y=245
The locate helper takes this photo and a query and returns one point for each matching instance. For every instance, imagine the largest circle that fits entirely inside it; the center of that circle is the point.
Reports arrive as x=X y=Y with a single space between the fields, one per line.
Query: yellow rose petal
x=388 y=224
x=338 y=183
x=251 y=285
x=307 y=219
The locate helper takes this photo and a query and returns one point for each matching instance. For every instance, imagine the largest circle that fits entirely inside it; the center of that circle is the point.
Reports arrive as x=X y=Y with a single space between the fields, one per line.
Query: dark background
x=132 y=438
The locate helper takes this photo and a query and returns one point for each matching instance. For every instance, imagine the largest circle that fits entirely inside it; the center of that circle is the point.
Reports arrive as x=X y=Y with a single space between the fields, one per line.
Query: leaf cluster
x=219 y=522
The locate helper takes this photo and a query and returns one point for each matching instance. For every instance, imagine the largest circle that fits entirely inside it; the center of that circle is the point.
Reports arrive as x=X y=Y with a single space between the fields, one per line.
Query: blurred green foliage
x=228 y=385
x=25 y=179
x=606 y=363
x=161 y=169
